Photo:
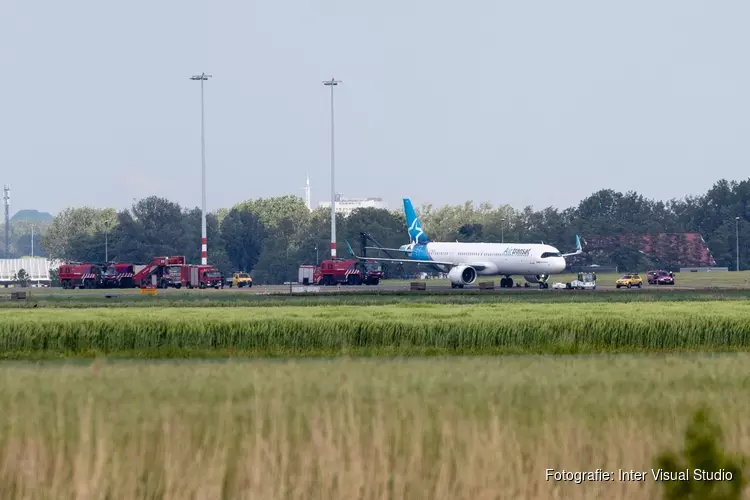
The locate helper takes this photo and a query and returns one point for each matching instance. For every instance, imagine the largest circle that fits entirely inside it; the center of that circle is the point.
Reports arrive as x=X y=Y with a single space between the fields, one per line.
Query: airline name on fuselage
x=517 y=252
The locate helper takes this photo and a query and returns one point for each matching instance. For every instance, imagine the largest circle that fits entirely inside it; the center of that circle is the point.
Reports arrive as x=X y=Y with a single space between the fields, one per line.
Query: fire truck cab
x=80 y=276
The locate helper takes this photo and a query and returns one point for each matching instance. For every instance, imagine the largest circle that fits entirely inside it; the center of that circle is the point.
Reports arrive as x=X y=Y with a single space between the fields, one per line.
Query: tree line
x=271 y=237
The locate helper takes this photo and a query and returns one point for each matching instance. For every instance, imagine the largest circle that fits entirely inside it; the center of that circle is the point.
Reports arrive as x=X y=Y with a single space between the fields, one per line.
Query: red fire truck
x=192 y=276
x=80 y=276
x=118 y=276
x=156 y=273
x=209 y=277
x=347 y=272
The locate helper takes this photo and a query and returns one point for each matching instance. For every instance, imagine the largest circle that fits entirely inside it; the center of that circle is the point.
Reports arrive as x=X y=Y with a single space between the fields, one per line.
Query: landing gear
x=543 y=281
x=506 y=282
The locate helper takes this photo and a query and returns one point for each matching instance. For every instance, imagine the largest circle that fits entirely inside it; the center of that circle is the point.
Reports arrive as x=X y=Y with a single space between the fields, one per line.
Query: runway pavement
x=443 y=287
x=385 y=286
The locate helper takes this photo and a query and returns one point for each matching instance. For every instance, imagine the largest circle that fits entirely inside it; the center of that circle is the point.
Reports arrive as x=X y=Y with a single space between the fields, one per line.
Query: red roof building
x=688 y=249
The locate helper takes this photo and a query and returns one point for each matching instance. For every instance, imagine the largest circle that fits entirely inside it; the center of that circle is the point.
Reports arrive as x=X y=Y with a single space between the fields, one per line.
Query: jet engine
x=462 y=275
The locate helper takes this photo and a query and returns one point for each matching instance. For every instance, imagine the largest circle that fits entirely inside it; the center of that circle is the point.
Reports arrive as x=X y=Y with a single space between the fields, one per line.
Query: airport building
x=346 y=206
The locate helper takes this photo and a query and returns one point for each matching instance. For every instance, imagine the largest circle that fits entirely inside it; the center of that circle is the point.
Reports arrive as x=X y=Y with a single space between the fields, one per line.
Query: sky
x=525 y=103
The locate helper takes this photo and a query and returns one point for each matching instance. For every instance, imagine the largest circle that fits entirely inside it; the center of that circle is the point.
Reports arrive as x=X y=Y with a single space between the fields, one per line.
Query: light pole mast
x=332 y=83
x=204 y=242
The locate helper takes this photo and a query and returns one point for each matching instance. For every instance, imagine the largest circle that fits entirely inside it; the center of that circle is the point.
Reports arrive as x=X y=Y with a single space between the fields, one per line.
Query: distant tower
x=6 y=199
x=307 y=194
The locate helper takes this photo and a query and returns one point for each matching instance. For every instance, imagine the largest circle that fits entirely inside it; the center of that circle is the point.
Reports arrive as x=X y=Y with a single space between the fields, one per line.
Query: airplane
x=465 y=261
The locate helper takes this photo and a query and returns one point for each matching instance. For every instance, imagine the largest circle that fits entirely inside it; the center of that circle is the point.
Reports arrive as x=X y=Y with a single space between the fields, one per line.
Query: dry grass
x=439 y=429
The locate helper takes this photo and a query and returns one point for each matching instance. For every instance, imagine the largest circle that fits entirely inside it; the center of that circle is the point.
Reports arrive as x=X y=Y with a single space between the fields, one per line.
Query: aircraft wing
x=413 y=261
x=479 y=266
x=388 y=249
x=578 y=251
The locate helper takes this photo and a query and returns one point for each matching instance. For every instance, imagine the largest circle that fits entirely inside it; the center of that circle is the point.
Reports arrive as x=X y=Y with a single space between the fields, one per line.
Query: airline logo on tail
x=416 y=233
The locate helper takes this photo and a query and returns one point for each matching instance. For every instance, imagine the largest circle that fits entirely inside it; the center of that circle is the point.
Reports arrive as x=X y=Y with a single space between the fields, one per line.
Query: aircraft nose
x=560 y=265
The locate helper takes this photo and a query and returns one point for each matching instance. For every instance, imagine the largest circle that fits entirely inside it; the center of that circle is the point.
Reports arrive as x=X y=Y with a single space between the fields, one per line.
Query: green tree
x=152 y=228
x=279 y=261
x=243 y=234
x=21 y=278
x=702 y=450
x=62 y=238
x=271 y=211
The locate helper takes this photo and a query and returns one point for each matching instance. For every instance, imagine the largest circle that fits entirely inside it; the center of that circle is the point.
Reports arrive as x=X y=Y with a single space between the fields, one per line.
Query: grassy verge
x=386 y=330
x=244 y=299
x=444 y=429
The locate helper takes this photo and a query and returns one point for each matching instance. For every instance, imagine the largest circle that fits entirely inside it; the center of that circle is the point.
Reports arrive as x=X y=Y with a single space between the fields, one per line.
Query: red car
x=660 y=278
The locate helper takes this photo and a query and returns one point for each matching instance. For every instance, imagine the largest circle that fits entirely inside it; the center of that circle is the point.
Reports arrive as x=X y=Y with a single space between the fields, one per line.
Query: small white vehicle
x=585 y=281
x=559 y=285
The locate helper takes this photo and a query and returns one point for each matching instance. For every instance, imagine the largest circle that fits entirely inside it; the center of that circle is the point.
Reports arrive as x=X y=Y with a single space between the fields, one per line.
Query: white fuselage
x=497 y=258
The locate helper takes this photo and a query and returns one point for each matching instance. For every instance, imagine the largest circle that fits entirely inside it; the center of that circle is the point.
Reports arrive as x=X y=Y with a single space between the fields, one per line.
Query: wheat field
x=397 y=329
x=475 y=429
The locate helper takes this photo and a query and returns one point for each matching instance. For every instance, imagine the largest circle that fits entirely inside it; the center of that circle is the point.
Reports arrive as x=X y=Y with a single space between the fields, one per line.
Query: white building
x=345 y=206
x=36 y=268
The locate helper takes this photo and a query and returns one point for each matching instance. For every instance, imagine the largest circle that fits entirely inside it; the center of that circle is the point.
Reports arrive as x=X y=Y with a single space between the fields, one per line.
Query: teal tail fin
x=413 y=226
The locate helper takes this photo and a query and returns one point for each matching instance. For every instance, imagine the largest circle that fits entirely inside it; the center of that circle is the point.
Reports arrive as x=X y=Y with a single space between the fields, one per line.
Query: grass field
x=438 y=428
x=448 y=429
x=381 y=330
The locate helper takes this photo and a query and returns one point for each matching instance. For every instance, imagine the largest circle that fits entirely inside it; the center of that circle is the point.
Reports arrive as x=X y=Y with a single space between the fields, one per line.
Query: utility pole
x=204 y=241
x=333 y=83
x=737 y=240
x=32 y=241
x=502 y=230
x=6 y=199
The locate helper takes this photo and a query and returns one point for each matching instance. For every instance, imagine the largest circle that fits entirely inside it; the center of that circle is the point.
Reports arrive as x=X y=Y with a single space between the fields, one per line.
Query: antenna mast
x=307 y=193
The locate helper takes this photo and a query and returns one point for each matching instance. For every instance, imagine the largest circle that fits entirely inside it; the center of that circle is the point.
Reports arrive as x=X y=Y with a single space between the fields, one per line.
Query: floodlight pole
x=204 y=243
x=332 y=83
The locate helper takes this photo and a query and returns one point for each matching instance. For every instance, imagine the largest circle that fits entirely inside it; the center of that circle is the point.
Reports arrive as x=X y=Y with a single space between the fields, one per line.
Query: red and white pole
x=204 y=247
x=332 y=83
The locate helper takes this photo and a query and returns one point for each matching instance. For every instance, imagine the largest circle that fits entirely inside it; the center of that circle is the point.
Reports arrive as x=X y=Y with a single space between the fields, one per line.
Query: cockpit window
x=551 y=254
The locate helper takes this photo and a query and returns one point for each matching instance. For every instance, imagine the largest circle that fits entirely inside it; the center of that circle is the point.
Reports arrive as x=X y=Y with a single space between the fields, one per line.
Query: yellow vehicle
x=240 y=279
x=629 y=280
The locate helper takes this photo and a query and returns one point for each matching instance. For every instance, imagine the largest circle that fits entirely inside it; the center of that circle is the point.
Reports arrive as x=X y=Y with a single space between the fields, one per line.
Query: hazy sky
x=527 y=103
